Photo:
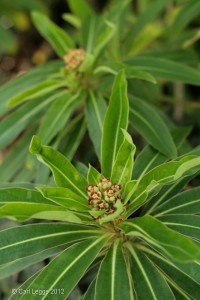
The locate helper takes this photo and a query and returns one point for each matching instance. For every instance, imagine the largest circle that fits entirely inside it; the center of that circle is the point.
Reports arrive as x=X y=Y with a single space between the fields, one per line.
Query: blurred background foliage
x=159 y=30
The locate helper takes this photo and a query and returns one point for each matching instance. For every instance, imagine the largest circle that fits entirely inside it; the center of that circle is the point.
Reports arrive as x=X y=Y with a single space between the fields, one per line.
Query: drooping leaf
x=165 y=240
x=113 y=281
x=64 y=173
x=57 y=37
x=146 y=278
x=116 y=118
x=70 y=265
x=123 y=165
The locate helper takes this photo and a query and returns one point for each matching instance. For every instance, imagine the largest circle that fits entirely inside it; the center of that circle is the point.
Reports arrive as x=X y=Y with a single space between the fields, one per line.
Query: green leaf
x=147 y=159
x=57 y=37
x=150 y=14
x=150 y=125
x=68 y=267
x=65 y=197
x=162 y=238
x=107 y=31
x=123 y=165
x=163 y=174
x=23 y=212
x=38 y=90
x=180 y=276
x=19 y=242
x=70 y=139
x=113 y=282
x=188 y=225
x=93 y=176
x=64 y=173
x=115 y=119
x=21 y=195
x=166 y=69
x=187 y=202
x=80 y=8
x=15 y=122
x=95 y=111
x=146 y=278
x=119 y=209
x=186 y=15
x=15 y=158
x=131 y=72
x=57 y=115
x=20 y=264
x=27 y=81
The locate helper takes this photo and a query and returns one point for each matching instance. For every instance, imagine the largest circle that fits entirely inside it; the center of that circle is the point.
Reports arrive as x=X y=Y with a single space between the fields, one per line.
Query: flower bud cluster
x=74 y=58
x=103 y=196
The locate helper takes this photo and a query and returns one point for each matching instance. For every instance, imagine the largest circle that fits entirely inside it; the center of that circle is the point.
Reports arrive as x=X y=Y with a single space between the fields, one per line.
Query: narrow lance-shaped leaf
x=57 y=115
x=65 y=197
x=147 y=278
x=166 y=69
x=188 y=13
x=162 y=238
x=19 y=119
x=28 y=80
x=104 y=36
x=123 y=165
x=20 y=264
x=160 y=175
x=130 y=71
x=68 y=267
x=113 y=281
x=26 y=240
x=183 y=277
x=38 y=90
x=188 y=225
x=22 y=195
x=22 y=212
x=64 y=173
x=115 y=119
x=95 y=112
x=187 y=202
x=145 y=120
x=57 y=37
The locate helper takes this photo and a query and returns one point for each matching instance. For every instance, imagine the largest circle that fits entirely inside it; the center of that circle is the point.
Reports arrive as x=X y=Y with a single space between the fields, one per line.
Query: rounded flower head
x=103 y=196
x=74 y=58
